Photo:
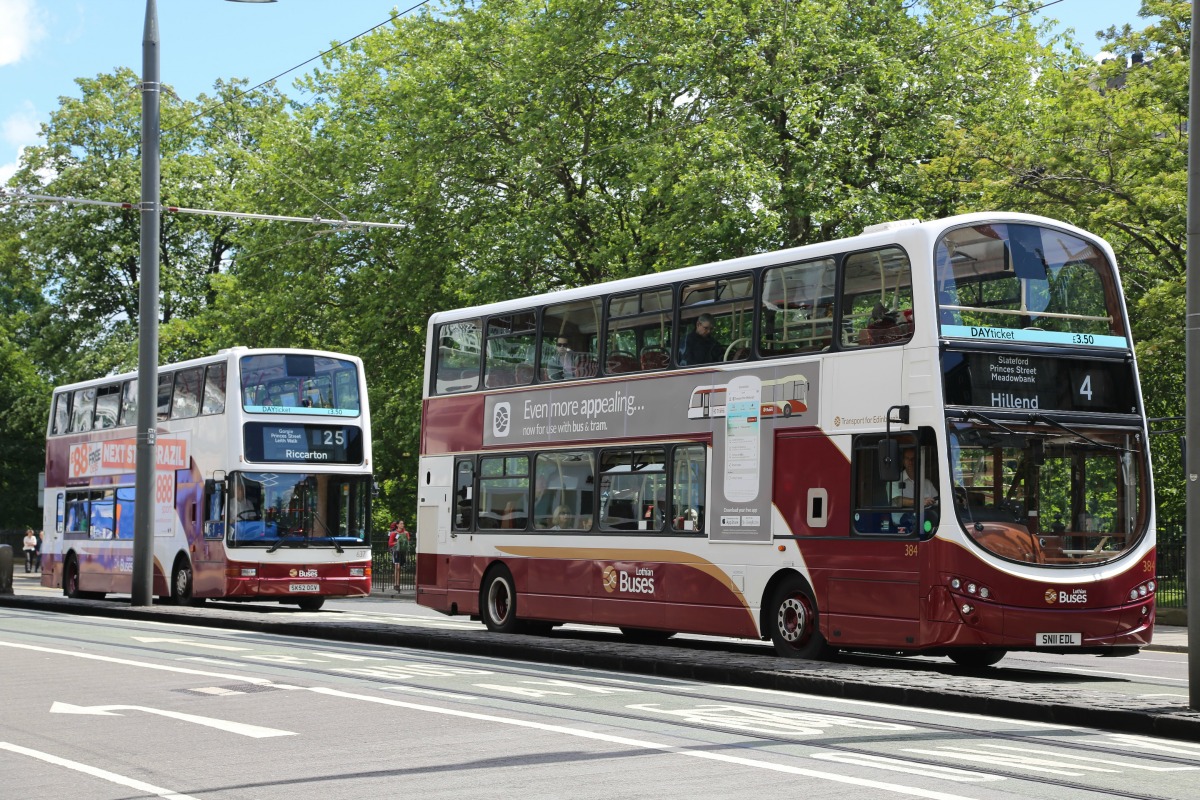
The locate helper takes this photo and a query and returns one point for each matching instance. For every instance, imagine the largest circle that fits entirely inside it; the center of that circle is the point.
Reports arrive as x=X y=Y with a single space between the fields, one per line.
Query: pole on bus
x=1191 y=466
x=147 y=394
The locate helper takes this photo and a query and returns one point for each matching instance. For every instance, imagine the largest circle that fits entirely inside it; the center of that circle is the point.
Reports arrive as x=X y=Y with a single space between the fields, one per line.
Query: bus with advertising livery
x=955 y=460
x=263 y=480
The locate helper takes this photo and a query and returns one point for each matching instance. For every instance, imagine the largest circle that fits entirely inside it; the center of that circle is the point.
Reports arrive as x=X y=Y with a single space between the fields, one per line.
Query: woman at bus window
x=561 y=520
x=700 y=346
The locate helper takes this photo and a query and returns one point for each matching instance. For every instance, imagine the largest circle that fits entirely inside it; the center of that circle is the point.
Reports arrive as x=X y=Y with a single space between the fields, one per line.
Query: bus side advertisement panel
x=740 y=411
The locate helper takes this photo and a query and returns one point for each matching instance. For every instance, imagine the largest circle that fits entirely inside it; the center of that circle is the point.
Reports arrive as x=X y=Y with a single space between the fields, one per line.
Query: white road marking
x=1120 y=674
x=240 y=728
x=704 y=754
x=896 y=765
x=188 y=642
x=96 y=772
x=144 y=664
x=1158 y=745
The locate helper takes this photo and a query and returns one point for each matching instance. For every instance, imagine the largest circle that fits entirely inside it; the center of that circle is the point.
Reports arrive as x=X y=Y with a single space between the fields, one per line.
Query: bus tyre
x=978 y=658
x=71 y=579
x=181 y=583
x=311 y=603
x=646 y=635
x=794 y=622
x=499 y=601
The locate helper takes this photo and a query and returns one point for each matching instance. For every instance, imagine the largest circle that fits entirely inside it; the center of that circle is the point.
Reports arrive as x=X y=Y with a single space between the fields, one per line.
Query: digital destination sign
x=1005 y=381
x=303 y=444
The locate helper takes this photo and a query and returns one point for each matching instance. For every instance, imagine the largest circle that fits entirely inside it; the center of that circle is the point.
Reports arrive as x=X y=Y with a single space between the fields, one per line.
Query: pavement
x=1061 y=698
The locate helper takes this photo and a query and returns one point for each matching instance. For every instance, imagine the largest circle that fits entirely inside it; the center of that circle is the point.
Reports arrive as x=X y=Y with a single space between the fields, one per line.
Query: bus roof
x=873 y=236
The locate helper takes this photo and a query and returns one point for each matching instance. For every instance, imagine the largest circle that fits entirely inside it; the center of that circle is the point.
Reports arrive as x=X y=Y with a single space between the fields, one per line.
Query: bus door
x=208 y=564
x=874 y=591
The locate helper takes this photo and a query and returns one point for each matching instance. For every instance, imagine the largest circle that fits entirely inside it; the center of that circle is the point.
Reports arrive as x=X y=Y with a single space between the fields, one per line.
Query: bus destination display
x=1005 y=381
x=303 y=444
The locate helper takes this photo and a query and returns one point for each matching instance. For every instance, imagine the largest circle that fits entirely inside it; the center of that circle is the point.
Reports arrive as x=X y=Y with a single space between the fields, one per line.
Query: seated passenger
x=699 y=345
x=560 y=365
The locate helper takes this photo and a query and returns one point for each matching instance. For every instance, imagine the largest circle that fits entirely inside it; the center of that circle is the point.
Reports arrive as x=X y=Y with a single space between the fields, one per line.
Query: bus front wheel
x=978 y=658
x=794 y=622
x=500 y=601
x=181 y=583
x=311 y=603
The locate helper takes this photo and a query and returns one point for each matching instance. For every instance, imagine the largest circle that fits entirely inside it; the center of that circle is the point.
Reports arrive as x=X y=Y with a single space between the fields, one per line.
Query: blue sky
x=46 y=44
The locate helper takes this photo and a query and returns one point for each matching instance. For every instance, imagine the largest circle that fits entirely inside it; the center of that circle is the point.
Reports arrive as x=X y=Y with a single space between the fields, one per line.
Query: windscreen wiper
x=989 y=421
x=328 y=536
x=282 y=540
x=1085 y=437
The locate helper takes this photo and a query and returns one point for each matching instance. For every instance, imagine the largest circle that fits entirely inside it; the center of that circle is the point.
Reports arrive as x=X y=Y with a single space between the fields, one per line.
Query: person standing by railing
x=30 y=546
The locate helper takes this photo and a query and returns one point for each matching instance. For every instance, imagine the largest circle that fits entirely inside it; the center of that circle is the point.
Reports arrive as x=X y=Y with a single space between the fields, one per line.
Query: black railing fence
x=1171 y=568
x=383 y=573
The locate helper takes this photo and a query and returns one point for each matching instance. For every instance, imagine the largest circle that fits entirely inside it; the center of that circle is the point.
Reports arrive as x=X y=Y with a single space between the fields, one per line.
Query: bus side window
x=166 y=383
x=877 y=298
x=214 y=509
x=687 y=488
x=464 y=498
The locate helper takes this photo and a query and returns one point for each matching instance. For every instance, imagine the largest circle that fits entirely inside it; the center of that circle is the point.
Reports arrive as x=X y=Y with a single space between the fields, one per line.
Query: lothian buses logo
x=501 y=420
x=618 y=580
x=1073 y=597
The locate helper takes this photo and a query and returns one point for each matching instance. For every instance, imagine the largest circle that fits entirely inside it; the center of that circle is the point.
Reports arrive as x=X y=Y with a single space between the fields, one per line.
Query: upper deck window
x=459 y=346
x=292 y=383
x=1025 y=283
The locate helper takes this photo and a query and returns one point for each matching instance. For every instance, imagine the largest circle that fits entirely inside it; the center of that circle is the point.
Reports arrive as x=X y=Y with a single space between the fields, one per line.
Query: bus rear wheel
x=795 y=624
x=311 y=603
x=71 y=579
x=499 y=601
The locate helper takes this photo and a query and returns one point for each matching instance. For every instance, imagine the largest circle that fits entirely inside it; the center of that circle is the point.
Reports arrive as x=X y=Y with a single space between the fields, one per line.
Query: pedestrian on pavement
x=399 y=550
x=30 y=546
x=37 y=553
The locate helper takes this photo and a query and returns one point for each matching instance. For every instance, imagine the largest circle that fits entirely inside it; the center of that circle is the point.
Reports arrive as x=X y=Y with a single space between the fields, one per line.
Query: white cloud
x=20 y=29
x=18 y=131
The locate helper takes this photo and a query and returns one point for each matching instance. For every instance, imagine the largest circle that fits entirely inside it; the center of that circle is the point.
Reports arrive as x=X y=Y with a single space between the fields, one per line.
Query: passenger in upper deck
x=560 y=365
x=700 y=346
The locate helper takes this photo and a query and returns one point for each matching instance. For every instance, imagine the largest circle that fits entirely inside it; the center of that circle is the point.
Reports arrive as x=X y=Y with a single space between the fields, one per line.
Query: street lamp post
x=147 y=396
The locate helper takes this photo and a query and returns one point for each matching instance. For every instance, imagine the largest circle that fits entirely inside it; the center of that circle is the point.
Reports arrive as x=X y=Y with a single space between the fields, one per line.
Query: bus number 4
x=1085 y=388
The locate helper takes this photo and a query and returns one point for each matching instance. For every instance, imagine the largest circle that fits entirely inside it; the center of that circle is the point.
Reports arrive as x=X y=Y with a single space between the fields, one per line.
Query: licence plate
x=304 y=587
x=1059 y=639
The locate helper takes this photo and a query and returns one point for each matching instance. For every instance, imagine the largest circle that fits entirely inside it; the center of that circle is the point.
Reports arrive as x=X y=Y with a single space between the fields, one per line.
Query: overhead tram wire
x=322 y=54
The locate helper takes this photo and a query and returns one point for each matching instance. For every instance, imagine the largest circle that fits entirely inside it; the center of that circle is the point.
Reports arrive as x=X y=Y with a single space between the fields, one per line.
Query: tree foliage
x=526 y=147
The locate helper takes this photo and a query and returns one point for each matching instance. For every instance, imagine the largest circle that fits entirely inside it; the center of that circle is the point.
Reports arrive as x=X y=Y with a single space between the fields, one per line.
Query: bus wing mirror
x=889 y=460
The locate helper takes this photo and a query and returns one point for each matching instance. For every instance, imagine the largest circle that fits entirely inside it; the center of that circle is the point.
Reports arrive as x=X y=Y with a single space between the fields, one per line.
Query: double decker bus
x=263 y=480
x=961 y=467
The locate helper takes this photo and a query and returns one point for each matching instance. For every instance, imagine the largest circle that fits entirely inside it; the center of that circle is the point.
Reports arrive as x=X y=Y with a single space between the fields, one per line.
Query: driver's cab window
x=904 y=503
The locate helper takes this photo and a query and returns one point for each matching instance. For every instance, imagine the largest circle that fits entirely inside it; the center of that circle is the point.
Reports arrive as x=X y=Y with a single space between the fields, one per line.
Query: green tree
x=86 y=257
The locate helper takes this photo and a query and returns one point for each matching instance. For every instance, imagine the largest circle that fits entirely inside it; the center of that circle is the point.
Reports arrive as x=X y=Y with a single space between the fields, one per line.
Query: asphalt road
x=156 y=707
x=1145 y=694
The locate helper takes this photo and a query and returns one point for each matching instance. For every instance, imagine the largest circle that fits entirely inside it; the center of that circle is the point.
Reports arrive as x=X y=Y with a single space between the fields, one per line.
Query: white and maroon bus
x=263 y=480
x=961 y=468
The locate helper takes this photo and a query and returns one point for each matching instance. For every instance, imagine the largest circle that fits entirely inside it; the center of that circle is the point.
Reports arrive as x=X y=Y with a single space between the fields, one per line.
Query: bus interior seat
x=655 y=358
x=500 y=376
x=586 y=365
x=619 y=361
